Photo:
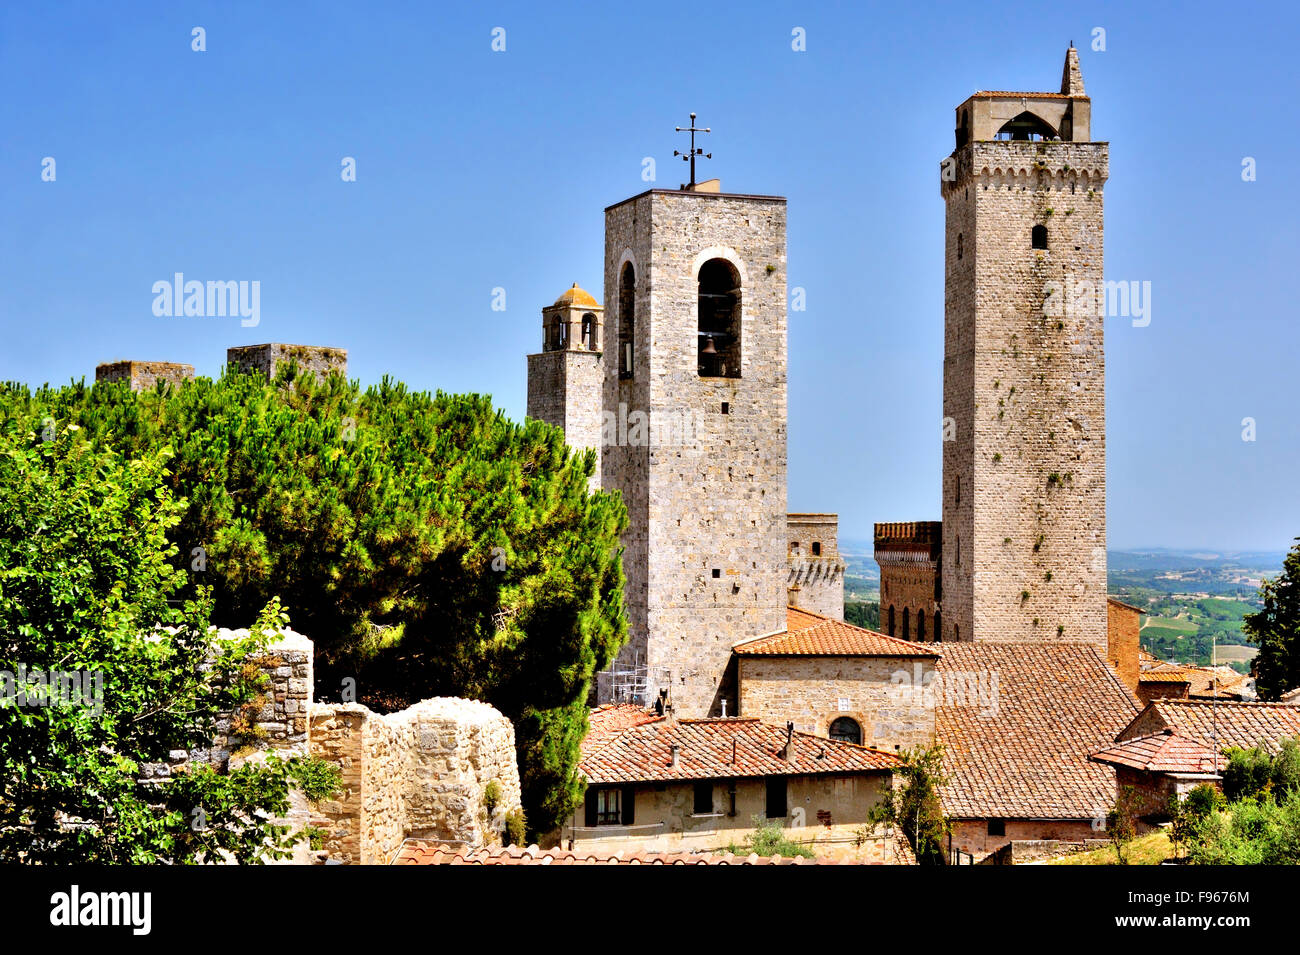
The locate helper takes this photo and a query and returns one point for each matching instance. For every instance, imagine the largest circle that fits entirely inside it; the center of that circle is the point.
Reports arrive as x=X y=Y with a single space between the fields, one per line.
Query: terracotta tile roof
x=1166 y=752
x=1234 y=723
x=1163 y=676
x=421 y=852
x=1027 y=757
x=720 y=748
x=812 y=635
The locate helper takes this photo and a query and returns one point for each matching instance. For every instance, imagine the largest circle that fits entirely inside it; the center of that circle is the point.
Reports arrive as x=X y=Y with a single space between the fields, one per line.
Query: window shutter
x=591 y=807
x=629 y=805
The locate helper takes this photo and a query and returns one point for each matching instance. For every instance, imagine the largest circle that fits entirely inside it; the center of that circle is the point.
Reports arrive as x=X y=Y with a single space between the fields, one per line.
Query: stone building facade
x=816 y=579
x=695 y=283
x=144 y=375
x=1024 y=476
x=566 y=379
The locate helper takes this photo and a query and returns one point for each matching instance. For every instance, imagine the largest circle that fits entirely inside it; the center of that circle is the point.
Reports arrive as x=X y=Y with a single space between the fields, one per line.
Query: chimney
x=789 y=737
x=672 y=755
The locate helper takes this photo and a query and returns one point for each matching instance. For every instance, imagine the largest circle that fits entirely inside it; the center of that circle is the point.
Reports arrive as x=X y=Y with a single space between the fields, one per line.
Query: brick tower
x=1024 y=455
x=696 y=379
x=565 y=380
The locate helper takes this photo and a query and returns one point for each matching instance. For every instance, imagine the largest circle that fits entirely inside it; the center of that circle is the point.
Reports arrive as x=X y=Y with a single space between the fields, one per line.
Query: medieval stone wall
x=422 y=773
x=1024 y=493
x=705 y=553
x=144 y=375
x=268 y=358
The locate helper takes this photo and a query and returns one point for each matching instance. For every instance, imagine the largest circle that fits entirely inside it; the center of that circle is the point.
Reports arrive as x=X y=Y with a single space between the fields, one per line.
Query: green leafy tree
x=1189 y=813
x=1250 y=832
x=1275 y=629
x=915 y=807
x=87 y=586
x=1121 y=822
x=428 y=545
x=1248 y=773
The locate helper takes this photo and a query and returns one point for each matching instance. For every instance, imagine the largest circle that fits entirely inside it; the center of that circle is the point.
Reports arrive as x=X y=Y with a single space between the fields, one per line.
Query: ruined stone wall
x=705 y=551
x=1024 y=509
x=418 y=773
x=267 y=358
x=276 y=719
x=812 y=692
x=144 y=375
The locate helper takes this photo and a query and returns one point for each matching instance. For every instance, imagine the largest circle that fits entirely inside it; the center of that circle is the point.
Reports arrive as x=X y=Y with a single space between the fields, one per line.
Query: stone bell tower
x=696 y=379
x=565 y=379
x=1024 y=455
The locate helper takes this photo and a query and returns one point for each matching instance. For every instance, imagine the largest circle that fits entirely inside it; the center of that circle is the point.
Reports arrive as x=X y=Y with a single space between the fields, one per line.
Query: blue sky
x=479 y=169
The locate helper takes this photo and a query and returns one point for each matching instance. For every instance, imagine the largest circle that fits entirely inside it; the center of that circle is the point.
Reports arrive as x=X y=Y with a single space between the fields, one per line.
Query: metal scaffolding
x=634 y=682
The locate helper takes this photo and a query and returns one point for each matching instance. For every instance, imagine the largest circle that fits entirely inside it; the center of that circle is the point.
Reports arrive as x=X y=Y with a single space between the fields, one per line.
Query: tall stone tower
x=697 y=380
x=565 y=380
x=1024 y=455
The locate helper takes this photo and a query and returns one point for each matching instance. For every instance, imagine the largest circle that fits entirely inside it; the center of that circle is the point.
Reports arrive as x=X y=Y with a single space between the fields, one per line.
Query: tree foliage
x=87 y=587
x=915 y=807
x=428 y=545
x=1275 y=629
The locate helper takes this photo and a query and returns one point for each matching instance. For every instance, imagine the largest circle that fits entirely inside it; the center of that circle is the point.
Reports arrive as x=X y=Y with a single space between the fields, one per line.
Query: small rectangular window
x=997 y=827
x=703 y=797
x=609 y=807
x=726 y=407
x=776 y=801
x=716 y=573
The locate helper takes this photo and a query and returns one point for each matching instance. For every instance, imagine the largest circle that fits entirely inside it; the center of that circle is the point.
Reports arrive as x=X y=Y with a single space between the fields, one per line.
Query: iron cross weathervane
x=693 y=152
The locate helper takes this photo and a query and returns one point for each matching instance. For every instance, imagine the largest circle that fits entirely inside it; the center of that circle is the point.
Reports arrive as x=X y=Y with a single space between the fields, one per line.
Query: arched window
x=920 y=626
x=891 y=620
x=1038 y=237
x=626 y=319
x=938 y=626
x=719 y=320
x=1027 y=126
x=845 y=730
x=589 y=333
x=794 y=548
x=907 y=624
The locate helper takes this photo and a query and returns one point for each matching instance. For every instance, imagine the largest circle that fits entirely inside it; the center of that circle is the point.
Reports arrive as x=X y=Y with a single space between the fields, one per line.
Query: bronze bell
x=708 y=347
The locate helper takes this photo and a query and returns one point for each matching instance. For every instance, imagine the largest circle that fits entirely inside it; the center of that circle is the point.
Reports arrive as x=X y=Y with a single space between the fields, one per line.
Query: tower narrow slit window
x=626 y=320
x=719 y=320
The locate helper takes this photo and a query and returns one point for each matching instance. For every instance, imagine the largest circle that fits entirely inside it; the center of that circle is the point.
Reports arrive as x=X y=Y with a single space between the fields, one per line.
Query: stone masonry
x=814 y=691
x=268 y=358
x=144 y=375
x=566 y=379
x=705 y=552
x=816 y=579
x=909 y=555
x=1024 y=475
x=420 y=773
